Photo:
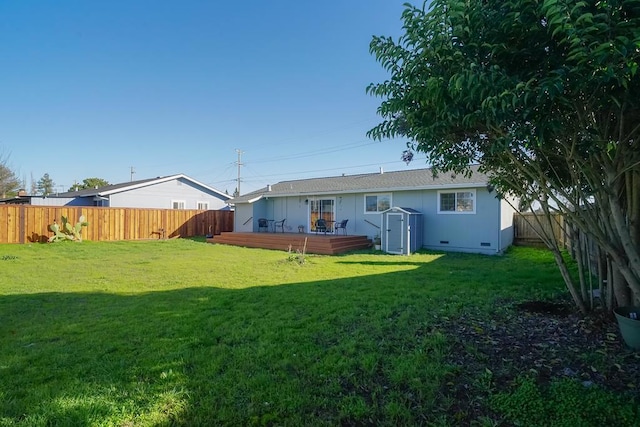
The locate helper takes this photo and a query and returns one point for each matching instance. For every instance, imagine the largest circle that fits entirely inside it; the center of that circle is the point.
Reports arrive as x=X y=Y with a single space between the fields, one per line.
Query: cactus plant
x=67 y=231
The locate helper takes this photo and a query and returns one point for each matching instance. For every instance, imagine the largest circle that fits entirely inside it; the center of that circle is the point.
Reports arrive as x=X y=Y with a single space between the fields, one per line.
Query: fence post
x=22 y=226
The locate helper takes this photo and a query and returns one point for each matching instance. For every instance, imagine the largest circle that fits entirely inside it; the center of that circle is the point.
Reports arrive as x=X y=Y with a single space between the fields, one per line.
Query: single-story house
x=457 y=212
x=169 y=192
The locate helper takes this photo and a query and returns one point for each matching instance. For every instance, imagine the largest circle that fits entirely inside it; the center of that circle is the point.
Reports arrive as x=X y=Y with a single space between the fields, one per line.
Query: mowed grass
x=182 y=332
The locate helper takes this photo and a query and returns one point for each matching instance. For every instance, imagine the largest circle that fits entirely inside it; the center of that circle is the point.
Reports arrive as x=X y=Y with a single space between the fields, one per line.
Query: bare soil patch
x=544 y=339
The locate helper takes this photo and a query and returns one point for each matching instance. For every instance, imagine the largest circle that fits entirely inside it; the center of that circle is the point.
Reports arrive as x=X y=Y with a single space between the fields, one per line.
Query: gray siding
x=244 y=218
x=507 y=211
x=462 y=232
x=293 y=209
x=488 y=230
x=156 y=195
x=57 y=201
x=161 y=195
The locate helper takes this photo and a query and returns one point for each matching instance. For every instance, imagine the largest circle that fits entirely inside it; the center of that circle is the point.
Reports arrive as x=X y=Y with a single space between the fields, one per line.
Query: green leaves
x=465 y=66
x=67 y=231
x=543 y=94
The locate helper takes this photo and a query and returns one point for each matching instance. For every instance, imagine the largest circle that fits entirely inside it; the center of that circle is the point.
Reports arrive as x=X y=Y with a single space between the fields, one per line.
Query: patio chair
x=321 y=225
x=263 y=223
x=341 y=225
x=280 y=224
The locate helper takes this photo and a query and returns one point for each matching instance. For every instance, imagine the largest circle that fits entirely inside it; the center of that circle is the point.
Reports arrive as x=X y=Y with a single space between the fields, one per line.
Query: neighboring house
x=169 y=192
x=458 y=213
x=20 y=199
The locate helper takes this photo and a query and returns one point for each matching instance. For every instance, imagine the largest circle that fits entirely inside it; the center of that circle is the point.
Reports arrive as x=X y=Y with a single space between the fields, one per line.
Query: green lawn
x=181 y=332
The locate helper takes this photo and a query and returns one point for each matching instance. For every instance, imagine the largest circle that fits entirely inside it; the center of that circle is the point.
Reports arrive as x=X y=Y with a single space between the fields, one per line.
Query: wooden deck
x=328 y=244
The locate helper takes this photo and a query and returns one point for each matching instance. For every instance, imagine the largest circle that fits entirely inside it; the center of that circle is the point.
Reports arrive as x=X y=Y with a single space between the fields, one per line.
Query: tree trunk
x=610 y=294
x=630 y=269
x=579 y=258
x=564 y=271
x=620 y=287
x=633 y=198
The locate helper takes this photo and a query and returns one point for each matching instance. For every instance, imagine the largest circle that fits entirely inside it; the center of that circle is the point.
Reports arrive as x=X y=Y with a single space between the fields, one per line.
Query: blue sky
x=91 y=89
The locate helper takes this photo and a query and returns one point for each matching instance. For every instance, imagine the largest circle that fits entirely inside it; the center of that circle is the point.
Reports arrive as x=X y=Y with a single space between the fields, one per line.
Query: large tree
x=89 y=183
x=9 y=182
x=544 y=95
x=45 y=185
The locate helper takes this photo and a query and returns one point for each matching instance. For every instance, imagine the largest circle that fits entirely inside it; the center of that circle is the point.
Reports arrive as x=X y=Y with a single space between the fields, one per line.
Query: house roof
x=415 y=179
x=126 y=186
x=16 y=200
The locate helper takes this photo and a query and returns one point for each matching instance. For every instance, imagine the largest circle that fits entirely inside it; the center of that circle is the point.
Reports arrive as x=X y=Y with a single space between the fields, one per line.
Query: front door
x=322 y=208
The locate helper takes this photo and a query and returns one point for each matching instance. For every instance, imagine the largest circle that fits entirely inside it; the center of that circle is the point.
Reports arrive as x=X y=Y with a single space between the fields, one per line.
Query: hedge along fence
x=25 y=223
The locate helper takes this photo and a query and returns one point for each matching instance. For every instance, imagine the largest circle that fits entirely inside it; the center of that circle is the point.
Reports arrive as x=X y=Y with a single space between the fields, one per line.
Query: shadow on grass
x=353 y=351
x=197 y=239
x=388 y=261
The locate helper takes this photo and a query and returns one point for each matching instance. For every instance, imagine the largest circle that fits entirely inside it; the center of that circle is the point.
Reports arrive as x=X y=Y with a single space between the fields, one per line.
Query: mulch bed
x=545 y=340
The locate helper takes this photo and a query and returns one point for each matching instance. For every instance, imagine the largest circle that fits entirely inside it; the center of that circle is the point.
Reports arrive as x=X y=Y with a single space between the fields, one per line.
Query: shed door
x=395 y=234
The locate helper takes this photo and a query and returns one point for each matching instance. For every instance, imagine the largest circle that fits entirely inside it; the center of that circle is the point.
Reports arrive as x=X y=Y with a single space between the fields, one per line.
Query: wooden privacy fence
x=526 y=229
x=25 y=223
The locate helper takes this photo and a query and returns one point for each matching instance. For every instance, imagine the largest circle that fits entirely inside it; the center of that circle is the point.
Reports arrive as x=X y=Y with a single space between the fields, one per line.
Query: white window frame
x=456 y=193
x=378 y=208
x=181 y=204
x=202 y=203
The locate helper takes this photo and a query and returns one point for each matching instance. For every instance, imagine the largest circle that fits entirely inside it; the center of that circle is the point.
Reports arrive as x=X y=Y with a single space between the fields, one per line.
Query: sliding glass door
x=322 y=208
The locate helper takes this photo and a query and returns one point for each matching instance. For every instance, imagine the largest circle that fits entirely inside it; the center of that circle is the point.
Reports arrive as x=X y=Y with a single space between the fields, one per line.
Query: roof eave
x=370 y=190
x=161 y=180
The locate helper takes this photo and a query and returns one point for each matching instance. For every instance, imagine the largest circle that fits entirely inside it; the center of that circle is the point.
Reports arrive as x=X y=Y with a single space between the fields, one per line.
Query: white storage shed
x=401 y=230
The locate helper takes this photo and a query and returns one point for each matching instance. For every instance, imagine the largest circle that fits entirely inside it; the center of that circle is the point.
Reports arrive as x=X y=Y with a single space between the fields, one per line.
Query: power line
x=264 y=179
x=317 y=133
x=322 y=151
x=334 y=169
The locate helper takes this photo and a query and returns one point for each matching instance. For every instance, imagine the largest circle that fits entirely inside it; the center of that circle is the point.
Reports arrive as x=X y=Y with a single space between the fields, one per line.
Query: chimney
x=381 y=170
x=268 y=187
x=22 y=193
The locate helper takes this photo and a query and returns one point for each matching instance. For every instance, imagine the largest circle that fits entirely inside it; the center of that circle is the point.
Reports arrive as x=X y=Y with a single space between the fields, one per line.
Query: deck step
x=316 y=243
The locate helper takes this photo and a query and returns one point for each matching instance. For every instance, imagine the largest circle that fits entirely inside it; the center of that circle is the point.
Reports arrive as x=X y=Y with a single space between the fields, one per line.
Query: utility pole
x=239 y=162
x=133 y=171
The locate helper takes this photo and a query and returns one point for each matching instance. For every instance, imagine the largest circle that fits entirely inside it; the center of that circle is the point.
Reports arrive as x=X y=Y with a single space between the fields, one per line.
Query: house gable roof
x=415 y=179
x=127 y=186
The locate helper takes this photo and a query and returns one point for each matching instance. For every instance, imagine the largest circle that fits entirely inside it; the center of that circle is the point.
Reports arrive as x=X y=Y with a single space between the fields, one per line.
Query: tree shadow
x=208 y=356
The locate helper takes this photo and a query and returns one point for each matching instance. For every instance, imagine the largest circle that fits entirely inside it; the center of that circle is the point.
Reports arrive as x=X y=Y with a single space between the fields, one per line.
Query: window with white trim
x=177 y=204
x=457 y=202
x=202 y=206
x=376 y=203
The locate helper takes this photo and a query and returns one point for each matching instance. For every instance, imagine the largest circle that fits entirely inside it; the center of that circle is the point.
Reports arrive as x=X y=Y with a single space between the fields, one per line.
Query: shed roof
x=409 y=211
